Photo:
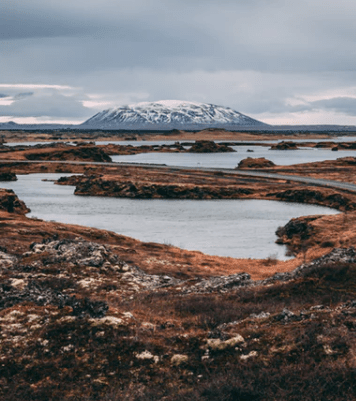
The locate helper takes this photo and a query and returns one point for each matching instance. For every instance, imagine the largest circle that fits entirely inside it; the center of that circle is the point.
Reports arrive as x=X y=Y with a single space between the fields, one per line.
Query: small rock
x=109 y=320
x=252 y=354
x=67 y=348
x=179 y=359
x=317 y=307
x=328 y=350
x=286 y=315
x=218 y=345
x=261 y=315
x=145 y=355
x=128 y=315
x=19 y=284
x=148 y=326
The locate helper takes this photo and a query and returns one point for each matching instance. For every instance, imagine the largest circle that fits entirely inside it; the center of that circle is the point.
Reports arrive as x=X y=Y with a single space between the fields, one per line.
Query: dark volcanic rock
x=84 y=153
x=334 y=200
x=209 y=147
x=336 y=257
x=80 y=253
x=42 y=295
x=284 y=146
x=9 y=202
x=161 y=191
x=97 y=186
x=220 y=283
x=295 y=227
x=251 y=162
x=321 y=145
x=296 y=233
x=8 y=177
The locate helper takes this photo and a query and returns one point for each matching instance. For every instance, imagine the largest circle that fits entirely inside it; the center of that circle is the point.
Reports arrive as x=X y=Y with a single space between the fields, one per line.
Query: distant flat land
x=208 y=134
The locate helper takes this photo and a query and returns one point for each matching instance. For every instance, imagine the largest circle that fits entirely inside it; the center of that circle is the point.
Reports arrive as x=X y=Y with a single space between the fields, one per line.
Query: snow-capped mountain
x=169 y=114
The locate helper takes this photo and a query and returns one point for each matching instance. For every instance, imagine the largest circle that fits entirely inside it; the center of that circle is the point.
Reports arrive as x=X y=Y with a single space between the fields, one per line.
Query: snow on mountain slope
x=169 y=114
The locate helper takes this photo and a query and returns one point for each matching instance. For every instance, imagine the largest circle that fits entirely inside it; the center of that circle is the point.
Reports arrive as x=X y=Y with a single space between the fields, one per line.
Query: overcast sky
x=279 y=61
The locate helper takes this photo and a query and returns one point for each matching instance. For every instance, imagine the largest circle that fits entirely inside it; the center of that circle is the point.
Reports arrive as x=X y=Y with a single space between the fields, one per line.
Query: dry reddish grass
x=18 y=232
x=22 y=136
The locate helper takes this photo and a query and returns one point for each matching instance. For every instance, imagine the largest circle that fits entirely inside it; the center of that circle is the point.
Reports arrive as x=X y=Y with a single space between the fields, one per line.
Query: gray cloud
x=23 y=95
x=257 y=35
x=46 y=104
x=254 y=56
x=20 y=20
x=345 y=105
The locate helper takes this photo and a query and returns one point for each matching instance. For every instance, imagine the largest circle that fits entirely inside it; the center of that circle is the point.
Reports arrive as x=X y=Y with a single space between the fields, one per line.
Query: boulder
x=8 y=177
x=179 y=359
x=284 y=146
x=9 y=202
x=251 y=162
x=209 y=147
x=218 y=345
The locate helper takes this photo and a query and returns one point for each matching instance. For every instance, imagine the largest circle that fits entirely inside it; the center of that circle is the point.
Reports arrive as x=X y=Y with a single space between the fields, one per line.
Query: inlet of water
x=235 y=228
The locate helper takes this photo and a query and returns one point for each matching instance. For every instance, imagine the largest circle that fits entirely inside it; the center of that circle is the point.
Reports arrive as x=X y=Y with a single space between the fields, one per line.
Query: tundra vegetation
x=87 y=314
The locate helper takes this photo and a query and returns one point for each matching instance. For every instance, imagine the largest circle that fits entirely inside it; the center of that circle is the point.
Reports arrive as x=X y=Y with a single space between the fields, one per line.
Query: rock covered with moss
x=251 y=162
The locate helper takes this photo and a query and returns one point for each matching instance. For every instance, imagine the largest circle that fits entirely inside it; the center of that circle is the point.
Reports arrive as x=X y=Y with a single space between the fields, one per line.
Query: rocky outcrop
x=284 y=146
x=351 y=161
x=323 y=145
x=12 y=294
x=84 y=153
x=334 y=200
x=295 y=233
x=337 y=257
x=297 y=227
x=219 y=284
x=8 y=177
x=9 y=202
x=251 y=162
x=98 y=186
x=115 y=149
x=209 y=147
x=86 y=259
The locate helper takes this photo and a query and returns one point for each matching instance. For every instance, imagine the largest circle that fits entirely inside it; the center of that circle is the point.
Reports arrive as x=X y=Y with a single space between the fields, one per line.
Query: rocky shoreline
x=158 y=188
x=79 y=319
x=89 y=151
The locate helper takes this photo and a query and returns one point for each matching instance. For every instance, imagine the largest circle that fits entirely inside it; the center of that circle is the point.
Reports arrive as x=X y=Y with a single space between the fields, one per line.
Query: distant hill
x=170 y=114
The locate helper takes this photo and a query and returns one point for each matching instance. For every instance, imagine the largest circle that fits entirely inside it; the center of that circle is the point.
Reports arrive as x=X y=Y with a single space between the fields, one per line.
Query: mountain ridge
x=170 y=114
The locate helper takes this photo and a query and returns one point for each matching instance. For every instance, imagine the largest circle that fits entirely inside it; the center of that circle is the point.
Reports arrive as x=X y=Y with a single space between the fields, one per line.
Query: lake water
x=230 y=160
x=226 y=160
x=236 y=228
x=141 y=143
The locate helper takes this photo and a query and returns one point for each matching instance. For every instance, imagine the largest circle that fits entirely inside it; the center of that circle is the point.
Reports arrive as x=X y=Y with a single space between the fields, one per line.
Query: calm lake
x=230 y=160
x=236 y=228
